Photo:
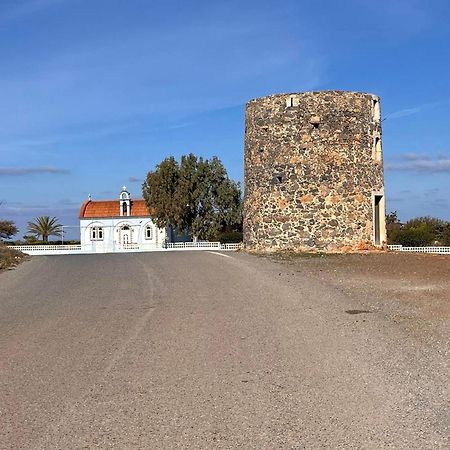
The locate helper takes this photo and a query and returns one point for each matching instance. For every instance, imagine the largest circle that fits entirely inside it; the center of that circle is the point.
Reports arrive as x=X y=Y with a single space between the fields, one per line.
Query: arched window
x=124 y=209
x=96 y=233
x=148 y=232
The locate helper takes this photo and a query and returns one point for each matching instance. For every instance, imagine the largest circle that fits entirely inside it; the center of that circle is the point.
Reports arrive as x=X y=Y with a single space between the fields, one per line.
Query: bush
x=9 y=257
x=446 y=235
x=230 y=237
x=418 y=232
x=412 y=237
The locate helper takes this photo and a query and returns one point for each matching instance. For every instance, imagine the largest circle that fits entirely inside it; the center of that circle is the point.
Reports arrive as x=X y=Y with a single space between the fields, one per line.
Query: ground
x=207 y=350
x=420 y=282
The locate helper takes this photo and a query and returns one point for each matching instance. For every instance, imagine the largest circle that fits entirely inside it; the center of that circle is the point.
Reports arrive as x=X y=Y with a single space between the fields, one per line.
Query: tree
x=7 y=229
x=159 y=192
x=393 y=227
x=430 y=225
x=195 y=196
x=418 y=232
x=45 y=226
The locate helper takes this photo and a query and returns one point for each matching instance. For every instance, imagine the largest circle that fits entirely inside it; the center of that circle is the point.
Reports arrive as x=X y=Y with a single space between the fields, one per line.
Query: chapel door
x=126 y=235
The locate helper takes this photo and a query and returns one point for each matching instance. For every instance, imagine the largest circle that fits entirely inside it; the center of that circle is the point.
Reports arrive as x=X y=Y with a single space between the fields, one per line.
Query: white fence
x=437 y=250
x=49 y=249
x=125 y=248
x=201 y=246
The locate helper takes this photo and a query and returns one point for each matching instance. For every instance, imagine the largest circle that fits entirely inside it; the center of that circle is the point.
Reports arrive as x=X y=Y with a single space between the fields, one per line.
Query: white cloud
x=22 y=171
x=404 y=113
x=27 y=7
x=413 y=162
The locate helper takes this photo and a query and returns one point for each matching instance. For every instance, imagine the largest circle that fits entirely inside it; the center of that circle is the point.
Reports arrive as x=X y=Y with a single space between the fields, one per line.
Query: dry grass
x=10 y=258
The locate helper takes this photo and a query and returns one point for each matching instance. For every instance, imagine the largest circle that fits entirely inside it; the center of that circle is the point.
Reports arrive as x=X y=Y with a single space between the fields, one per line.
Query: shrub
x=9 y=257
x=413 y=237
x=446 y=235
x=228 y=237
x=418 y=232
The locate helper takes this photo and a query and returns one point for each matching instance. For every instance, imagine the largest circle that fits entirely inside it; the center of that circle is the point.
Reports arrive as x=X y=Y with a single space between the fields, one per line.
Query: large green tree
x=45 y=226
x=194 y=196
x=7 y=229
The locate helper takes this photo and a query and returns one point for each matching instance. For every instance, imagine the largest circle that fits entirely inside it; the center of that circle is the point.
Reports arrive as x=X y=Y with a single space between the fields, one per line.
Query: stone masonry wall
x=313 y=164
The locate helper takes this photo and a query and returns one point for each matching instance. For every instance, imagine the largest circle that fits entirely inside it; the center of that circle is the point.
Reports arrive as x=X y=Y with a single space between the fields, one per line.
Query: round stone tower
x=314 y=172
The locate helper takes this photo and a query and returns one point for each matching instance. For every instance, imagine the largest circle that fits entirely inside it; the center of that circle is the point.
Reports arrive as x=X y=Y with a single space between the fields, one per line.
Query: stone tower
x=313 y=172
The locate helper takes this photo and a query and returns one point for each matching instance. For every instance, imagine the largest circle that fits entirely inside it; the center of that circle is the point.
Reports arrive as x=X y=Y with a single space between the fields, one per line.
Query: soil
x=408 y=288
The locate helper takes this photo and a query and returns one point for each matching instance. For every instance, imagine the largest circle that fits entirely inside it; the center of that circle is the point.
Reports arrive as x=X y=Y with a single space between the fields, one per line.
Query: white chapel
x=115 y=225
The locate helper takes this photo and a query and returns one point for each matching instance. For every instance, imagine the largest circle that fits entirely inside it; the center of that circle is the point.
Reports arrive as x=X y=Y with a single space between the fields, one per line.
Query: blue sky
x=94 y=93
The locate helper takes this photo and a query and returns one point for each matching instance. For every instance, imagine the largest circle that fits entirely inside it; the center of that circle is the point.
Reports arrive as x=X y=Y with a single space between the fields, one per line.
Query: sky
x=95 y=93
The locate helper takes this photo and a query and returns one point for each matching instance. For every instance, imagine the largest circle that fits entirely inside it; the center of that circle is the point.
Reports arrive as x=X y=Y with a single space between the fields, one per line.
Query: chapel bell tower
x=124 y=202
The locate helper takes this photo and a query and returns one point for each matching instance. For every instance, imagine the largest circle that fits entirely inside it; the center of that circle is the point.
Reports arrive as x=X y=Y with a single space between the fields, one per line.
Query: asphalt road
x=201 y=350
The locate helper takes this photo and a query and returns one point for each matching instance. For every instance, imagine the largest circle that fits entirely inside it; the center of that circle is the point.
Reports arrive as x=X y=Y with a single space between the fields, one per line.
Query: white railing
x=130 y=246
x=438 y=250
x=202 y=245
x=231 y=246
x=43 y=247
x=196 y=245
x=72 y=249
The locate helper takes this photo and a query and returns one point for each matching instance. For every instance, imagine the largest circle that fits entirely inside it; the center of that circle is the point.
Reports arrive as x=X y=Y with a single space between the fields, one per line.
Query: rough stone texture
x=313 y=165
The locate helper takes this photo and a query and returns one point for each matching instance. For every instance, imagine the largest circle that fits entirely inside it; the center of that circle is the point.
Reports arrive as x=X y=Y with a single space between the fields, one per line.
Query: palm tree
x=45 y=226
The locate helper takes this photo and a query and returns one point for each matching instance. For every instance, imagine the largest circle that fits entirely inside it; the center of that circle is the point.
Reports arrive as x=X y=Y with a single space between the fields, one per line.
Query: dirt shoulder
x=411 y=289
x=10 y=258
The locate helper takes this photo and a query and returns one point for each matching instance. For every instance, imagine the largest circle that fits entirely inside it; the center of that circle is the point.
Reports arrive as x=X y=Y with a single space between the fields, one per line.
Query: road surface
x=201 y=350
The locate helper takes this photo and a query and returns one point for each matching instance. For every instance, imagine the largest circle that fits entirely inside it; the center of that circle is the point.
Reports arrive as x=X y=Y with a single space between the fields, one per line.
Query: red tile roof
x=111 y=208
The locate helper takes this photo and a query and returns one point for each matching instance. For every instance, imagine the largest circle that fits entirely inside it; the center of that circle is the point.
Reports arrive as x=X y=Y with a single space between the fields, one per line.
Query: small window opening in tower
x=124 y=209
x=376 y=110
x=291 y=102
x=377 y=149
x=315 y=121
x=377 y=219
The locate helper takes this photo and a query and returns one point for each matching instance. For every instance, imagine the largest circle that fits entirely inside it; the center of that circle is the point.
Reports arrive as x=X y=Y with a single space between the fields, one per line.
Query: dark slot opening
x=377 y=219
x=292 y=101
x=316 y=125
x=279 y=178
